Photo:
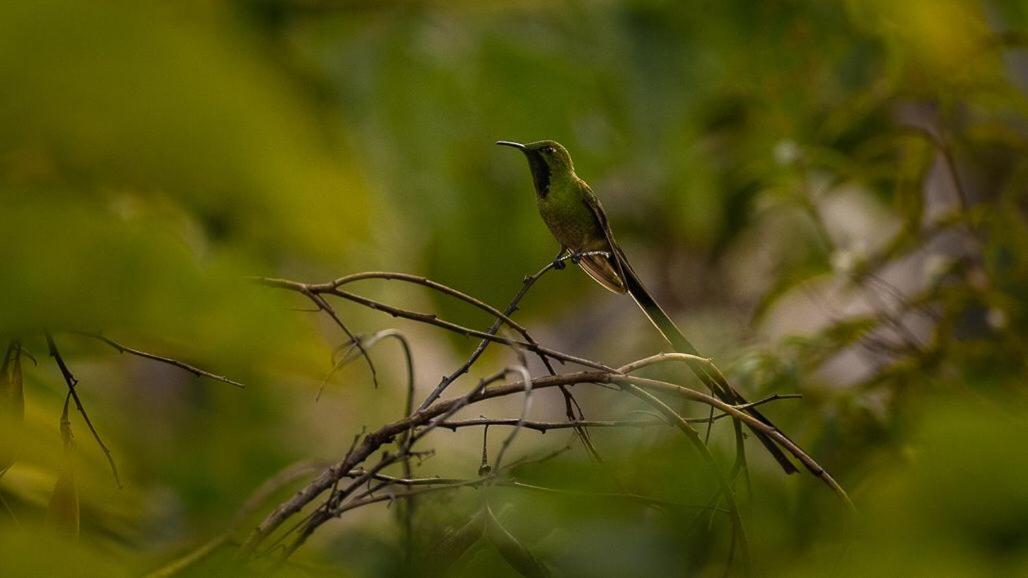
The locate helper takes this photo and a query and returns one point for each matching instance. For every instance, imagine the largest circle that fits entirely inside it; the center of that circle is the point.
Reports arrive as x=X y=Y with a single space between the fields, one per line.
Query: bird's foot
x=576 y=258
x=559 y=264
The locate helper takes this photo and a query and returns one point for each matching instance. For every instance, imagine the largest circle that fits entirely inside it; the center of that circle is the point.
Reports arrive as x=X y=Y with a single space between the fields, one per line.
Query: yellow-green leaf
x=63 y=513
x=12 y=396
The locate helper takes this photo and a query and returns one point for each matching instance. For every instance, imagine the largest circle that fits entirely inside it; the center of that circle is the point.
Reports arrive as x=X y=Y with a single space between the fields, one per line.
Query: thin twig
x=432 y=319
x=725 y=488
x=324 y=306
x=526 y=379
x=489 y=336
x=772 y=432
x=181 y=365
x=501 y=317
x=334 y=506
x=419 y=280
x=545 y=426
x=570 y=403
x=434 y=414
x=526 y=284
x=72 y=382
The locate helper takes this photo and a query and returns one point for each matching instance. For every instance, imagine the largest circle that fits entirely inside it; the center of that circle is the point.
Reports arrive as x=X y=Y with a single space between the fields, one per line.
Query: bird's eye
x=549 y=150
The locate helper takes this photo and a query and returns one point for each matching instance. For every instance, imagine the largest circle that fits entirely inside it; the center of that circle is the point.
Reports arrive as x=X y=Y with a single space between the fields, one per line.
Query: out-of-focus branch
x=72 y=383
x=168 y=360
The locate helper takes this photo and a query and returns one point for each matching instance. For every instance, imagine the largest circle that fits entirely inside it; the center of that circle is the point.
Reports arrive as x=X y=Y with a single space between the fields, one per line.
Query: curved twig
x=425 y=282
x=324 y=306
x=725 y=487
x=526 y=404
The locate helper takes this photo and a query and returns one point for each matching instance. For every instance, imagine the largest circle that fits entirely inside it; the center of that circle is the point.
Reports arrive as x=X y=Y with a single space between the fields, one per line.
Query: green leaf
x=63 y=512
x=12 y=396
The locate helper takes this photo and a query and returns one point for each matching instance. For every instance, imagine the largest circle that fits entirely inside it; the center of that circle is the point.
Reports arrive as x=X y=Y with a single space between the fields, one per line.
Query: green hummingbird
x=577 y=220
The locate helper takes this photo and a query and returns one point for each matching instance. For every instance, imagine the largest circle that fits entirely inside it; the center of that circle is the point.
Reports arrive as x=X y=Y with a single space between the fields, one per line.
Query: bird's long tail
x=710 y=378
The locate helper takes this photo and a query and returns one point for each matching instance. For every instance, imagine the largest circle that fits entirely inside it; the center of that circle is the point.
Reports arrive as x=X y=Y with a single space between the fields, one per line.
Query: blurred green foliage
x=831 y=197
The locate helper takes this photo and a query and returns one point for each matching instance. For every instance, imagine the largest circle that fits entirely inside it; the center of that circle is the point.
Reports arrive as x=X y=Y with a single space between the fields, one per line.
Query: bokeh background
x=830 y=197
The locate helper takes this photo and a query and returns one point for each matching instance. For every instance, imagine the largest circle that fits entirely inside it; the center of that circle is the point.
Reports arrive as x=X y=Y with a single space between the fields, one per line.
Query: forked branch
x=435 y=413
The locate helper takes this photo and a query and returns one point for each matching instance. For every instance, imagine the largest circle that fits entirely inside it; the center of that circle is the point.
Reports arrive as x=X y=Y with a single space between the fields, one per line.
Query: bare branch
x=433 y=319
x=181 y=365
x=433 y=414
x=545 y=426
x=324 y=306
x=439 y=413
x=526 y=284
x=487 y=337
x=446 y=290
x=70 y=380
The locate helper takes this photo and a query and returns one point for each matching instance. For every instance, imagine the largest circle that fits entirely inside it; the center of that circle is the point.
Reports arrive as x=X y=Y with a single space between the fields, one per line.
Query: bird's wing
x=603 y=272
x=607 y=271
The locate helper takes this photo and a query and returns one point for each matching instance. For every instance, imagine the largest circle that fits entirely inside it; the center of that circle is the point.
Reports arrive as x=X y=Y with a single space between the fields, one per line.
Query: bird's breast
x=569 y=220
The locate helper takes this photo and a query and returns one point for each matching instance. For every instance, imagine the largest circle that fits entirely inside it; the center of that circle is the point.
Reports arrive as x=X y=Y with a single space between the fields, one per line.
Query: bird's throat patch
x=540 y=173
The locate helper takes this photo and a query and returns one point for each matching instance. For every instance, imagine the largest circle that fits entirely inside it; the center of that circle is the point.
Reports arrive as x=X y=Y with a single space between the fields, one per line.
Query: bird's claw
x=559 y=264
x=576 y=258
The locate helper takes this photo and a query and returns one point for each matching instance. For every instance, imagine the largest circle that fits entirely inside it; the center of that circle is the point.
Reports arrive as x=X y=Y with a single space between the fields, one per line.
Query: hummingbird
x=575 y=217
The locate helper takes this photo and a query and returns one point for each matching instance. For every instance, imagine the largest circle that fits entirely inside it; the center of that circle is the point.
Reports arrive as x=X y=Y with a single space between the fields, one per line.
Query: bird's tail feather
x=717 y=385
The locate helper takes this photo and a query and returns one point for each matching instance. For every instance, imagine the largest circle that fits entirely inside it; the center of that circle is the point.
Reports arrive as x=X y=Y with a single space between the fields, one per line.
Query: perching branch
x=435 y=413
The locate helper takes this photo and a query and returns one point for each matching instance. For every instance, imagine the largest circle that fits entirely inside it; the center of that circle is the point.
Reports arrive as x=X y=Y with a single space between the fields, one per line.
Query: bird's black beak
x=510 y=143
x=537 y=164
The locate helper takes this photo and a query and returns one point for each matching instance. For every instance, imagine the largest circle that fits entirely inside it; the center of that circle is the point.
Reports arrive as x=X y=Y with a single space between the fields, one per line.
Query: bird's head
x=547 y=160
